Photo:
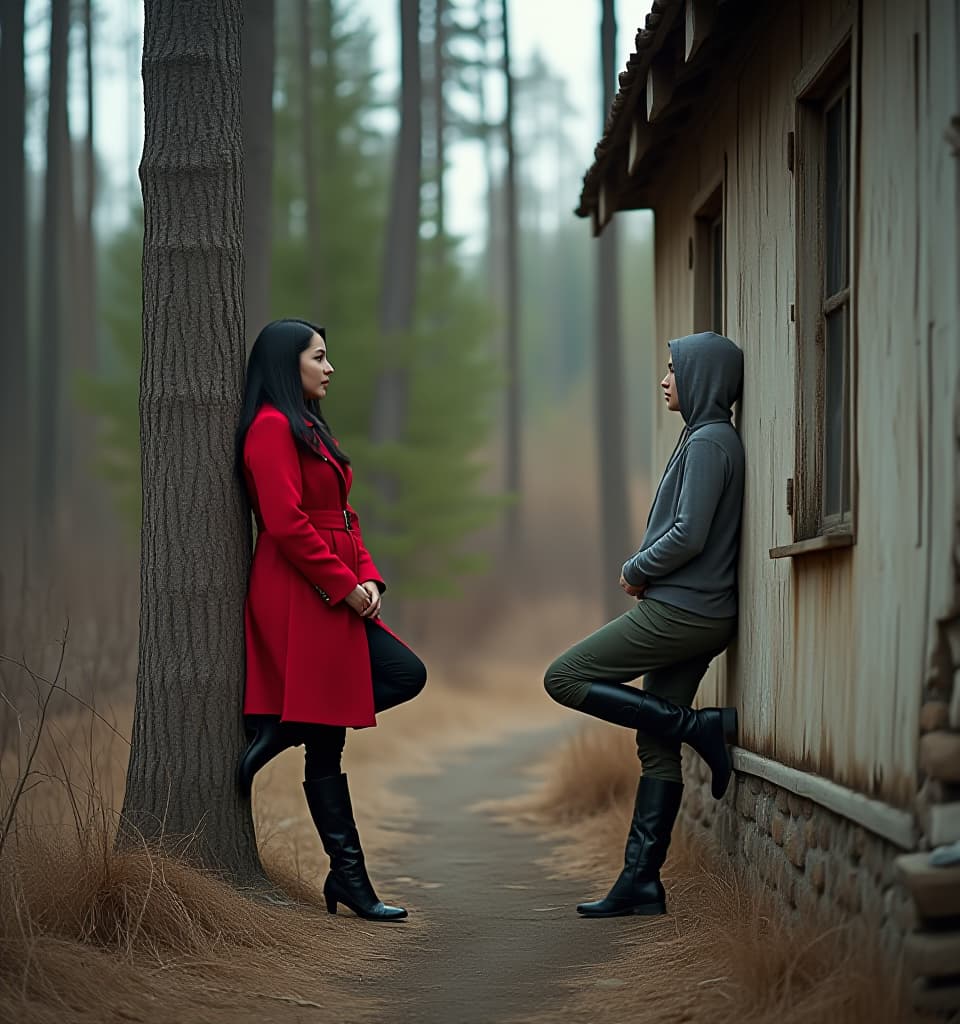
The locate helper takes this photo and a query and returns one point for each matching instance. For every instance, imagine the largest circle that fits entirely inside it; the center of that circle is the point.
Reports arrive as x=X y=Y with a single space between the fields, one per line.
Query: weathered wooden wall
x=832 y=650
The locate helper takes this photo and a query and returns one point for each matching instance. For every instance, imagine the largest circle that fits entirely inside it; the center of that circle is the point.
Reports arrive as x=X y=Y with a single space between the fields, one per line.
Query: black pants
x=398 y=676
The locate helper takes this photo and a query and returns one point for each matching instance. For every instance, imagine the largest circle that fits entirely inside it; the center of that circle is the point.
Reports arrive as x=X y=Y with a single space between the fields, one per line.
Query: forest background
x=71 y=358
x=493 y=383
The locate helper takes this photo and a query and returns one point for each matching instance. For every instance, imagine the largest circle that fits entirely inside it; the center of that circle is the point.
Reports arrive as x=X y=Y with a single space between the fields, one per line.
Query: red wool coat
x=307 y=657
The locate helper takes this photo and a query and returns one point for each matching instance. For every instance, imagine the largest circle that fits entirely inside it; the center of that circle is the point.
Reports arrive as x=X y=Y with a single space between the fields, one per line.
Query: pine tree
x=451 y=370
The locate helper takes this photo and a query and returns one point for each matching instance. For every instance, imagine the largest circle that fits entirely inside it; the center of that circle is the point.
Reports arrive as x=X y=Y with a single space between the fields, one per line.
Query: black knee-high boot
x=270 y=738
x=348 y=882
x=638 y=889
x=707 y=730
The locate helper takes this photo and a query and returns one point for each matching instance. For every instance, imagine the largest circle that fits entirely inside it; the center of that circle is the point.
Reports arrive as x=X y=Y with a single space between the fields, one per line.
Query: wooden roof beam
x=641 y=138
x=660 y=81
x=699 y=19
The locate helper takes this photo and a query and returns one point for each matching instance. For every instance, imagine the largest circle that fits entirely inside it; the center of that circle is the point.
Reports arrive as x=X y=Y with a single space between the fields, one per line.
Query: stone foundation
x=815 y=863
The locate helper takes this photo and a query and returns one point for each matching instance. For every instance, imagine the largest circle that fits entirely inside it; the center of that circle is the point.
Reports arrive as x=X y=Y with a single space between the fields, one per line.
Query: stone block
x=794 y=805
x=783 y=801
x=763 y=814
x=795 y=846
x=810 y=834
x=943 y=823
x=955 y=700
x=746 y=802
x=755 y=785
x=934 y=715
x=778 y=829
x=824 y=833
x=858 y=843
x=940 y=755
x=807 y=900
x=934 y=954
x=935 y=997
x=848 y=893
x=817 y=873
x=935 y=891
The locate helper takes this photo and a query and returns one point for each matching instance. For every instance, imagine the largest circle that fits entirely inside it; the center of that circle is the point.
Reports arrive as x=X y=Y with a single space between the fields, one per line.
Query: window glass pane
x=835 y=197
x=835 y=489
x=716 y=246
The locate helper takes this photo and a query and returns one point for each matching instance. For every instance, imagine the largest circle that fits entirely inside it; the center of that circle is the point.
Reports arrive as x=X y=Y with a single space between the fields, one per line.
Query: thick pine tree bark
x=513 y=462
x=196 y=525
x=57 y=238
x=14 y=389
x=398 y=290
x=257 y=65
x=608 y=371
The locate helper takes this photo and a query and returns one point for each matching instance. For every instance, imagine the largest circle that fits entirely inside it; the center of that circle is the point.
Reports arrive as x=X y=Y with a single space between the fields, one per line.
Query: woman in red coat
x=319 y=659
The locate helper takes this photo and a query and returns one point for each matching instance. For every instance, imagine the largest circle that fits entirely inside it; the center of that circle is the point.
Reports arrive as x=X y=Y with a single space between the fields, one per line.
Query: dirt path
x=495 y=939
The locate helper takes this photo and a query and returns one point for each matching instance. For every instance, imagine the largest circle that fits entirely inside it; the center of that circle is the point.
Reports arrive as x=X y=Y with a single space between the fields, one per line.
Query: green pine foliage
x=334 y=279
x=113 y=394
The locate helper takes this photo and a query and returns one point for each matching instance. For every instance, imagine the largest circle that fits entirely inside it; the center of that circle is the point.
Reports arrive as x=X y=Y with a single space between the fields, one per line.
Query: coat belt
x=332 y=519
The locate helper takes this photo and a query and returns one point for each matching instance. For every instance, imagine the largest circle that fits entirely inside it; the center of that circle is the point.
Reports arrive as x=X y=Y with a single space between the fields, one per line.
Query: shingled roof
x=686 y=39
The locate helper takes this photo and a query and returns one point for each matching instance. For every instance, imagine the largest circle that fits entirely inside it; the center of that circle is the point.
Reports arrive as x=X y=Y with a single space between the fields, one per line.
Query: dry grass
x=89 y=933
x=724 y=953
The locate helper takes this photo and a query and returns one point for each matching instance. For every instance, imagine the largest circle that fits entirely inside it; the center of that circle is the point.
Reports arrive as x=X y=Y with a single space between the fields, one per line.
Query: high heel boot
x=707 y=730
x=270 y=738
x=638 y=889
x=347 y=882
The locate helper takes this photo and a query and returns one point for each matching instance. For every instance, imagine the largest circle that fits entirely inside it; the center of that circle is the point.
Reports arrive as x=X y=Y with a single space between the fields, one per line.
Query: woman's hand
x=358 y=599
x=373 y=608
x=630 y=589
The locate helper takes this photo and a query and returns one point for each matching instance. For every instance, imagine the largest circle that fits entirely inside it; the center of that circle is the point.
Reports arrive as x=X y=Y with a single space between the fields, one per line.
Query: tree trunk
x=88 y=507
x=608 y=372
x=491 y=257
x=514 y=441
x=439 y=76
x=87 y=231
x=256 y=81
x=399 y=278
x=195 y=549
x=314 y=266
x=14 y=374
x=57 y=238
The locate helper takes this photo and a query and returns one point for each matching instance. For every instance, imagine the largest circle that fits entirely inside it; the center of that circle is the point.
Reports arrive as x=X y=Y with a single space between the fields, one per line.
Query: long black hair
x=273 y=376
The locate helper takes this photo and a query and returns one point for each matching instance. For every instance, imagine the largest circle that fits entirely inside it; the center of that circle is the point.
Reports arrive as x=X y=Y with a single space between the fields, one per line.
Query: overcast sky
x=566 y=33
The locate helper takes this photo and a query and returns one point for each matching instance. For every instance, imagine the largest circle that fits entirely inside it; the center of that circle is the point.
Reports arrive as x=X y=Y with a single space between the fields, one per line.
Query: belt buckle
x=346 y=519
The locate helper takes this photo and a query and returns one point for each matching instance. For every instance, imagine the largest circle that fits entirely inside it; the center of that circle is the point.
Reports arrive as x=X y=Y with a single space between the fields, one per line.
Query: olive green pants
x=671 y=648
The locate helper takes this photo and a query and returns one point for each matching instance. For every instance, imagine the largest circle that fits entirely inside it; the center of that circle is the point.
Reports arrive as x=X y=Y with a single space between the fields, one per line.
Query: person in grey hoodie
x=684 y=578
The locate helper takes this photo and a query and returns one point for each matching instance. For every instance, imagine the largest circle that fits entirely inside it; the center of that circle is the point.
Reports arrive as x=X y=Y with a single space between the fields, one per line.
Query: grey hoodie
x=689 y=553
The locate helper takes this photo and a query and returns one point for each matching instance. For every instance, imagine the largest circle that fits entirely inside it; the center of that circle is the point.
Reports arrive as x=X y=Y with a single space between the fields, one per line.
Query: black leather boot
x=348 y=882
x=707 y=730
x=638 y=889
x=269 y=739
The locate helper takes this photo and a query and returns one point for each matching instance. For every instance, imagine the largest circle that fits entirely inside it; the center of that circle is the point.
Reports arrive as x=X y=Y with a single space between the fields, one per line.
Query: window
x=823 y=489
x=707 y=263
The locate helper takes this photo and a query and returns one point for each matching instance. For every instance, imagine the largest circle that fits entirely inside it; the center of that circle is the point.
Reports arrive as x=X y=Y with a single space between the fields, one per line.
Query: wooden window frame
x=818 y=87
x=709 y=211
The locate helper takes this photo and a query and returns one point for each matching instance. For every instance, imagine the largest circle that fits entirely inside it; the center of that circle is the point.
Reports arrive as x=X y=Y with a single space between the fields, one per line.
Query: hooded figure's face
x=707 y=377
x=669 y=387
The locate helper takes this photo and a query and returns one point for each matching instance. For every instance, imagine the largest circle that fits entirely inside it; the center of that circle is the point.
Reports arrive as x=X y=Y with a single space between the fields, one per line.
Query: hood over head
x=709 y=374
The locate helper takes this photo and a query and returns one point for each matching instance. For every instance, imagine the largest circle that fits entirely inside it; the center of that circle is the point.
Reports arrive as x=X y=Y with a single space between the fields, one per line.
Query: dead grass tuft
x=725 y=952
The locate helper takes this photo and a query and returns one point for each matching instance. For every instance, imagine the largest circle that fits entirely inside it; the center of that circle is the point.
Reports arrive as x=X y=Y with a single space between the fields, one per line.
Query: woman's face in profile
x=315 y=369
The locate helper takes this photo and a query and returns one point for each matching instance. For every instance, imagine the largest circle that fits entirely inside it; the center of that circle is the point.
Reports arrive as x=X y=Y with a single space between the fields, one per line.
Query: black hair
x=273 y=376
